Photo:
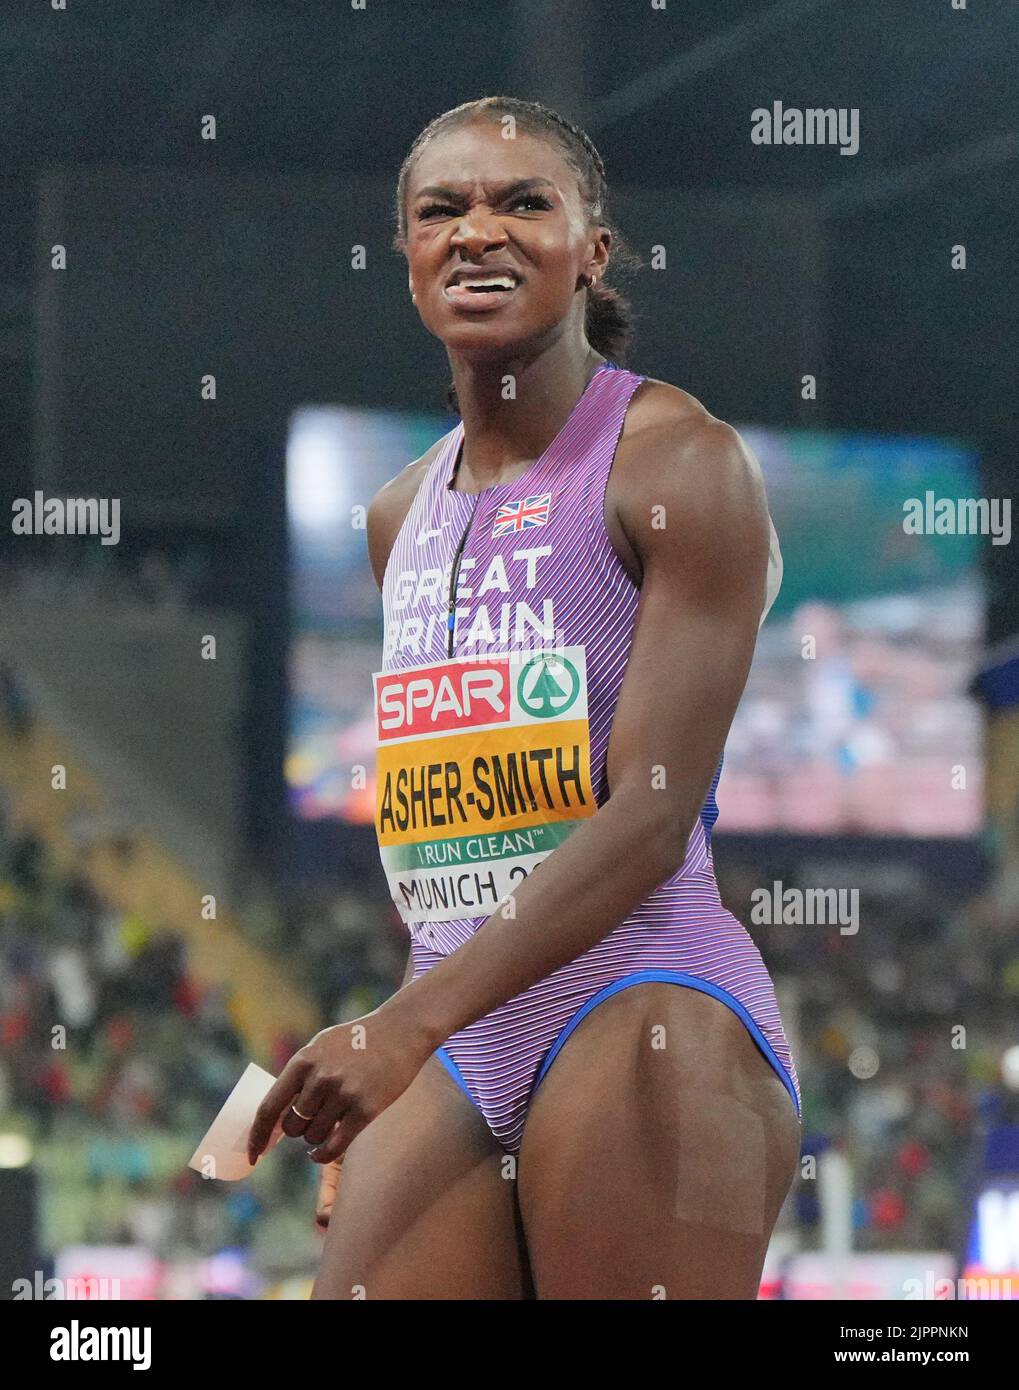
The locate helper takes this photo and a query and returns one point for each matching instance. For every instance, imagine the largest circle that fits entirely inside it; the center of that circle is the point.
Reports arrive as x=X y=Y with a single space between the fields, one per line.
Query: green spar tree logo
x=545 y=697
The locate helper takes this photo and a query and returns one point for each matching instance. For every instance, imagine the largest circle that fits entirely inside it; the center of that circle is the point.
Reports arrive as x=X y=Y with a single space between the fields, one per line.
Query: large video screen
x=856 y=717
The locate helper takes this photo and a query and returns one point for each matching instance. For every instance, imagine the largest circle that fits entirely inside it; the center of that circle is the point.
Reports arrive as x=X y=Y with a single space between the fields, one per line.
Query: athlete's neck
x=503 y=437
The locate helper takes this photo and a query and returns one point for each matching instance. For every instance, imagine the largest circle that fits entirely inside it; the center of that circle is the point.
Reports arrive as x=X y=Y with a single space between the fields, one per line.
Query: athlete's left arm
x=696 y=514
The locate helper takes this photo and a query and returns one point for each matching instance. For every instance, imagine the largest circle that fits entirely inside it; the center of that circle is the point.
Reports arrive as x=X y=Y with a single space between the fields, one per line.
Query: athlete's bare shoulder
x=390 y=505
x=664 y=416
x=657 y=402
x=668 y=429
x=673 y=448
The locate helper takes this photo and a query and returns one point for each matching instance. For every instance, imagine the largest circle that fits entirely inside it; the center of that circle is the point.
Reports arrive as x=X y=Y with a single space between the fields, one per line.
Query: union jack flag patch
x=521 y=516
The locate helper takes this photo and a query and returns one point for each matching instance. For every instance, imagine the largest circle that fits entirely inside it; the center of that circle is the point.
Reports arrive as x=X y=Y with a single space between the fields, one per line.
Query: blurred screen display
x=856 y=717
x=337 y=459
x=113 y=1272
x=899 y=1276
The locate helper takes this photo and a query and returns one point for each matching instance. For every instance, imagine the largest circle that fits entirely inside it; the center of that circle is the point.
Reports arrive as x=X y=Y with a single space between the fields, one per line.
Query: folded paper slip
x=223 y=1153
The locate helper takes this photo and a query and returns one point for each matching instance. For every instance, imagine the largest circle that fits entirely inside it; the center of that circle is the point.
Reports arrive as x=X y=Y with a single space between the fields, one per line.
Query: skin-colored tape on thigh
x=723 y=1165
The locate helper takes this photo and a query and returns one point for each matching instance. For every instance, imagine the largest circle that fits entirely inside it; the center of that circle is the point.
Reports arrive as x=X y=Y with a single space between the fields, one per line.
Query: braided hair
x=608 y=318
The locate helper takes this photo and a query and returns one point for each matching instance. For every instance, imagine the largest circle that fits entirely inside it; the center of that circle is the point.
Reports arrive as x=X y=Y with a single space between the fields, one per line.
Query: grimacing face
x=475 y=200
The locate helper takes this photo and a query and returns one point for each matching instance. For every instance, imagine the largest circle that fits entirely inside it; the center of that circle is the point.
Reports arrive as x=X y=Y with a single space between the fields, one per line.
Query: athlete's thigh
x=422 y=1209
x=657 y=1154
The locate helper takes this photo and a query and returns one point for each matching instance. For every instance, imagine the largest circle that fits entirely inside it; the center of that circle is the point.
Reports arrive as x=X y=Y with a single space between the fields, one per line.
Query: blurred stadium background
x=127 y=1010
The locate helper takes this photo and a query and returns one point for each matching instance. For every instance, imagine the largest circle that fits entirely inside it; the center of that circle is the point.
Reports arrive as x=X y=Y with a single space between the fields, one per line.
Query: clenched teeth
x=492 y=282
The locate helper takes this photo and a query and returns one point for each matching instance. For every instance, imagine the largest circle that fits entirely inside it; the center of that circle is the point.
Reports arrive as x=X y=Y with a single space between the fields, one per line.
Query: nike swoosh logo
x=424 y=536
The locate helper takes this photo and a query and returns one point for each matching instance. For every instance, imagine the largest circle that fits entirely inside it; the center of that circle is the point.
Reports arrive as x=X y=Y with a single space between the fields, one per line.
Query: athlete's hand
x=340 y=1081
x=327 y=1183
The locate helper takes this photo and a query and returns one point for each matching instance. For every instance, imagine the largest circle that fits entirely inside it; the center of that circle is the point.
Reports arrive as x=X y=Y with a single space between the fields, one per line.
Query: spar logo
x=450 y=697
x=540 y=690
x=442 y=698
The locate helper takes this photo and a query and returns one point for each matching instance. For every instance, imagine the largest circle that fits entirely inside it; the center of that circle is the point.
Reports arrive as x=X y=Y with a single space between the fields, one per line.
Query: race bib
x=483 y=767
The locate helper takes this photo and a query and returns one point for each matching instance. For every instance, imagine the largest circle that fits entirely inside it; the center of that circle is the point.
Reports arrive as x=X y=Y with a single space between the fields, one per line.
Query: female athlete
x=582 y=1089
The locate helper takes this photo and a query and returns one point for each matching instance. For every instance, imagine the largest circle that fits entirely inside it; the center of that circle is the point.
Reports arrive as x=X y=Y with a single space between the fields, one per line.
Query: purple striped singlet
x=493 y=734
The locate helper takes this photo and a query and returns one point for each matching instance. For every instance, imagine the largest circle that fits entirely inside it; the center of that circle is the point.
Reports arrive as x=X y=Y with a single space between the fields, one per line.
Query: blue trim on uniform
x=456 y=1074
x=676 y=977
x=709 y=811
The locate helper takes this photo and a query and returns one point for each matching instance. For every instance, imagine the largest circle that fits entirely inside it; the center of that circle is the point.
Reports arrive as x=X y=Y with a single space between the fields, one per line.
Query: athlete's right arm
x=389 y=507
x=385 y=517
